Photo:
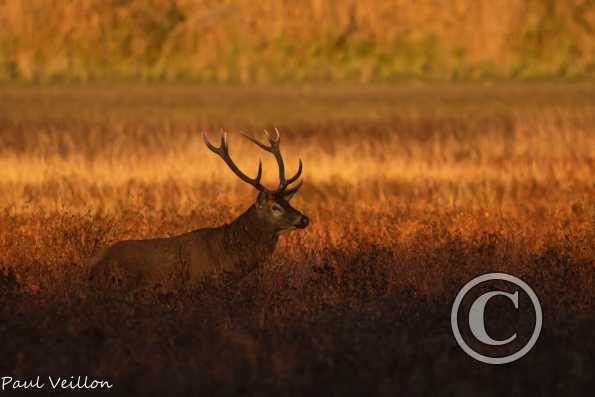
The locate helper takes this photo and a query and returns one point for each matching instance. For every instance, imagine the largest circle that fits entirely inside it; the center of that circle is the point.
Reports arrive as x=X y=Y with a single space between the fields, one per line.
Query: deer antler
x=223 y=152
x=273 y=148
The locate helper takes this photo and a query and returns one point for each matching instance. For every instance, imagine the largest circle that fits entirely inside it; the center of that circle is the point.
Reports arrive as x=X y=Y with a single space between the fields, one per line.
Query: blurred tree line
x=246 y=41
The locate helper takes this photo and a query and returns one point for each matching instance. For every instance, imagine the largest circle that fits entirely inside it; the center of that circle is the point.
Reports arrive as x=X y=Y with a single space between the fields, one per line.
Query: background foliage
x=295 y=40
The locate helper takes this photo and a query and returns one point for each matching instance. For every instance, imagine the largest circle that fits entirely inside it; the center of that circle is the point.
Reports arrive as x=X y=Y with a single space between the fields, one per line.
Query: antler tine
x=273 y=139
x=210 y=146
x=276 y=151
x=223 y=152
x=297 y=174
x=273 y=147
x=294 y=189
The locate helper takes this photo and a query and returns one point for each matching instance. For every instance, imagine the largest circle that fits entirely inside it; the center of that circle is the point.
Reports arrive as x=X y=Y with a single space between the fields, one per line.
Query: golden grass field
x=412 y=191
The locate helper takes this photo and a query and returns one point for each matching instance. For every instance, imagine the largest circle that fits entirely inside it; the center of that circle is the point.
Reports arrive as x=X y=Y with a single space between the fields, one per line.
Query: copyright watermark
x=503 y=318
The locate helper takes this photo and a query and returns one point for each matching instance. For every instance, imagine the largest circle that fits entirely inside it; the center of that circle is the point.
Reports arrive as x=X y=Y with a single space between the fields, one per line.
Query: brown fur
x=234 y=249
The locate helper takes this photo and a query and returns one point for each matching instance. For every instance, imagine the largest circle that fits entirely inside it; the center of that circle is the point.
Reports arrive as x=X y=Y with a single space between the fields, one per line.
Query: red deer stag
x=235 y=249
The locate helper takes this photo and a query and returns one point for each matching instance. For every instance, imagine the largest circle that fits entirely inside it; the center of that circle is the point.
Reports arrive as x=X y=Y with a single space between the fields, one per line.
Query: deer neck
x=248 y=239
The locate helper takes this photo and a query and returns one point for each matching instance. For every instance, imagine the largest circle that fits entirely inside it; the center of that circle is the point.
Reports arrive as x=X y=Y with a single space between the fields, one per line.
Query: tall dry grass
x=507 y=160
x=412 y=191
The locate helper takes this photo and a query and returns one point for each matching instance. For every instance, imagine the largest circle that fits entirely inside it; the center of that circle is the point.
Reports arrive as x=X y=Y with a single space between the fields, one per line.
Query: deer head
x=272 y=208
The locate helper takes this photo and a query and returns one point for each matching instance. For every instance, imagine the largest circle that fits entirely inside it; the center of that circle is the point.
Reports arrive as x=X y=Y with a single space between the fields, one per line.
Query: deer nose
x=304 y=221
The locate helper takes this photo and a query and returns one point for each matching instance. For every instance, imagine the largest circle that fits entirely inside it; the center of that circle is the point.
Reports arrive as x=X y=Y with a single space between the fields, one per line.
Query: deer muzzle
x=302 y=222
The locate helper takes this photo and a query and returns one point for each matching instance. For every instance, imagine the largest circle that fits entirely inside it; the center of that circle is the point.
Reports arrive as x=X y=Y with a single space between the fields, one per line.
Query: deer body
x=234 y=249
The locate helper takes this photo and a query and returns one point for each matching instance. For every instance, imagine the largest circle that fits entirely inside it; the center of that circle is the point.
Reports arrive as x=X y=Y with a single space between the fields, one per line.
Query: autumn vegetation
x=412 y=191
x=242 y=41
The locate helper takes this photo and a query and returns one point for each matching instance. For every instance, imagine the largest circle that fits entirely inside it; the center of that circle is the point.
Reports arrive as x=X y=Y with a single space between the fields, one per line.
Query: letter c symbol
x=477 y=317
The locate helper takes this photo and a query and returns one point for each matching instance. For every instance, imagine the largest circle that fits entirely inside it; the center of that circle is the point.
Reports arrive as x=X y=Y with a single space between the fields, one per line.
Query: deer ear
x=262 y=198
x=288 y=194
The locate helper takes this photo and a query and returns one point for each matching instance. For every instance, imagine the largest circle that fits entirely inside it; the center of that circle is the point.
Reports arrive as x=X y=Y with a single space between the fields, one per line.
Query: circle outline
x=490 y=277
